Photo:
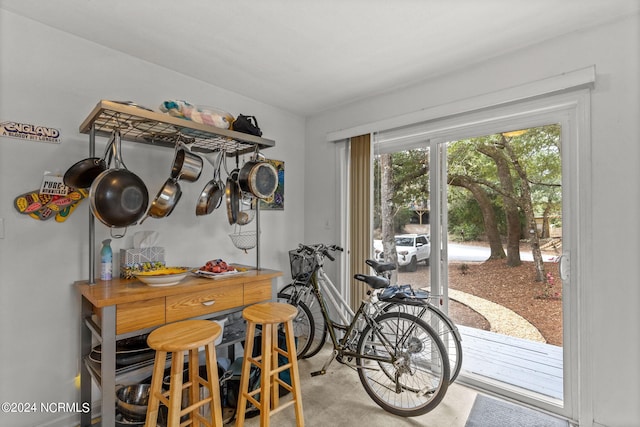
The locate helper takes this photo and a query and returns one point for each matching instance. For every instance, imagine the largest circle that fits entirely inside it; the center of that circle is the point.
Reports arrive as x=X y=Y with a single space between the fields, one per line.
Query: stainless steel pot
x=165 y=200
x=186 y=165
x=132 y=401
x=258 y=177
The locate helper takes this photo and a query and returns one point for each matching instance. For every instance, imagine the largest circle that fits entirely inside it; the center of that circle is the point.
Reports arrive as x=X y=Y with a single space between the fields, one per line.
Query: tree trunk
x=509 y=197
x=488 y=214
x=546 y=226
x=527 y=207
x=387 y=212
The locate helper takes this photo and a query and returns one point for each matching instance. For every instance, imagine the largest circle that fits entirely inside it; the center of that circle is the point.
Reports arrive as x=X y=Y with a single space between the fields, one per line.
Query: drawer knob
x=208 y=303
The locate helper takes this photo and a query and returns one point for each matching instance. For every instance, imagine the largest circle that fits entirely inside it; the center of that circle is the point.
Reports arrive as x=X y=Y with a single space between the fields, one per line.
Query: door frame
x=571 y=112
x=570 y=92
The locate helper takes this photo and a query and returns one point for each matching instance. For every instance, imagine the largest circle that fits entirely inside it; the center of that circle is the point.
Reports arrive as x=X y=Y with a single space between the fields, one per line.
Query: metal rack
x=139 y=124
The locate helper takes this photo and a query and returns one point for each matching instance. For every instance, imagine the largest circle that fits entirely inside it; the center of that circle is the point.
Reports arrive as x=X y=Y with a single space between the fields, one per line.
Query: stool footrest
x=282 y=383
x=163 y=398
x=256 y=361
x=252 y=399
x=282 y=351
x=206 y=421
x=196 y=405
x=282 y=406
x=280 y=368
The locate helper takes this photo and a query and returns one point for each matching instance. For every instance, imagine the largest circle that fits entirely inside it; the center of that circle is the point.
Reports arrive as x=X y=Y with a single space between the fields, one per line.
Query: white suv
x=411 y=249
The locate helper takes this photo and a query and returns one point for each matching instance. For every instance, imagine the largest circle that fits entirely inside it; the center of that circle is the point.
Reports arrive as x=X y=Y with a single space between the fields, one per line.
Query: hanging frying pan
x=232 y=193
x=83 y=173
x=119 y=198
x=211 y=196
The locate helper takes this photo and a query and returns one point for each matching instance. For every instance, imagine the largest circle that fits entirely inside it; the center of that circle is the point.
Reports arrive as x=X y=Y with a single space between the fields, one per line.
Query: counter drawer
x=204 y=302
x=257 y=292
x=139 y=315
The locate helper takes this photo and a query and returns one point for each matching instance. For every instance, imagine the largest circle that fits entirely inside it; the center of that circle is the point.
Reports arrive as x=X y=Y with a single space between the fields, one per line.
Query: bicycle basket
x=301 y=265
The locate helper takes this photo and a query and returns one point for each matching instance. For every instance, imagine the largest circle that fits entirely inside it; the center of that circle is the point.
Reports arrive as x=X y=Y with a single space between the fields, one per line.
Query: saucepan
x=118 y=197
x=186 y=165
x=258 y=177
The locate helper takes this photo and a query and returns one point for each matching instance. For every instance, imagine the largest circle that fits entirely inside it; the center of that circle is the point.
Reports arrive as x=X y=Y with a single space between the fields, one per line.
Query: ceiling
x=307 y=56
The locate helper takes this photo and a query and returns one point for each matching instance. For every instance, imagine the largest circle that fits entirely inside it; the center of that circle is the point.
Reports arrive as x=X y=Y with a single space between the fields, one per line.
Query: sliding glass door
x=496 y=195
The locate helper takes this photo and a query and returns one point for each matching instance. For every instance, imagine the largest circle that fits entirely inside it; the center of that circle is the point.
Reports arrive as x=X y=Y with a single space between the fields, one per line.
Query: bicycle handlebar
x=320 y=248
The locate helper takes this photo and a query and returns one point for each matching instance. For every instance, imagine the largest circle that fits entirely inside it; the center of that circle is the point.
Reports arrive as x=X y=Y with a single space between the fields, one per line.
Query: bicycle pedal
x=316 y=373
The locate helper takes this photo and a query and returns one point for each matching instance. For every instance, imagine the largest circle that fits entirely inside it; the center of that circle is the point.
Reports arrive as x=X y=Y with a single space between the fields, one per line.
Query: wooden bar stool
x=179 y=338
x=269 y=315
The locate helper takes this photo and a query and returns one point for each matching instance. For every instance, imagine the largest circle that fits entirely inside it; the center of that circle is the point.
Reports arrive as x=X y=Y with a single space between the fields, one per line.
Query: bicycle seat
x=380 y=267
x=376 y=282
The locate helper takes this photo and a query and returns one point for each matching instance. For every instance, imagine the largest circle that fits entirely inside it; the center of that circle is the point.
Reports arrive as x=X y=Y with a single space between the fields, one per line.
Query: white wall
x=54 y=79
x=612 y=293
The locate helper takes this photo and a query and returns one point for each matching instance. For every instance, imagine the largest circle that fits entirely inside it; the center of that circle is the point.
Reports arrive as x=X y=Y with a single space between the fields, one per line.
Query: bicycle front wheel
x=303 y=325
x=309 y=298
x=403 y=365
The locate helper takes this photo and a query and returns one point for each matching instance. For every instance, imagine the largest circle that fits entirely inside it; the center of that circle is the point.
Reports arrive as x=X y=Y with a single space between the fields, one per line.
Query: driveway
x=471 y=253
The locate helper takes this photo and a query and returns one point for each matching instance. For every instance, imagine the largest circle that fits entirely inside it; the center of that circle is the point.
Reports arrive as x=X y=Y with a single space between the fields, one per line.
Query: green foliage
x=402 y=218
x=410 y=185
x=537 y=151
x=465 y=232
x=465 y=218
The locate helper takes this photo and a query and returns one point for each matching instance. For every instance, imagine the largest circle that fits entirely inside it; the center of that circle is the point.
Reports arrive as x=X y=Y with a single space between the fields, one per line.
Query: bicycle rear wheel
x=303 y=293
x=303 y=325
x=442 y=325
x=415 y=376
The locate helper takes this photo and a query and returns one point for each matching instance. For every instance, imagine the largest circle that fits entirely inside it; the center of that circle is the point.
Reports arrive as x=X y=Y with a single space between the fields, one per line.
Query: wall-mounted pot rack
x=150 y=127
x=138 y=124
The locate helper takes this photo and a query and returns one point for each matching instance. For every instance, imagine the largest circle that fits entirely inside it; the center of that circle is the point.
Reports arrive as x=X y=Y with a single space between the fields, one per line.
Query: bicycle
x=419 y=304
x=302 y=269
x=401 y=362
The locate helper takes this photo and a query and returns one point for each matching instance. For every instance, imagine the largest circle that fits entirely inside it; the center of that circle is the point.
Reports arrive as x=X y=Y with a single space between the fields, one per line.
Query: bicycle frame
x=341 y=347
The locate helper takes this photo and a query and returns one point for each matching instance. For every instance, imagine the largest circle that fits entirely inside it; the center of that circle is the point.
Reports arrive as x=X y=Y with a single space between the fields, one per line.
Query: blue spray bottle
x=106 y=260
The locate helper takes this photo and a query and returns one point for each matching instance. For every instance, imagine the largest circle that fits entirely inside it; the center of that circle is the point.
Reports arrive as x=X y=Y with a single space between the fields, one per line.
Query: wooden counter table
x=122 y=308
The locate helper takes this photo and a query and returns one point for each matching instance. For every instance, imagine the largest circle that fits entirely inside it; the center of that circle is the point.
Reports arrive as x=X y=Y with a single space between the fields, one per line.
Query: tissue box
x=143 y=259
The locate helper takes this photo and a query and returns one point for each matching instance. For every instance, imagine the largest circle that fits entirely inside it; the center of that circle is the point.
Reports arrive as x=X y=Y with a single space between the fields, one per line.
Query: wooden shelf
x=150 y=127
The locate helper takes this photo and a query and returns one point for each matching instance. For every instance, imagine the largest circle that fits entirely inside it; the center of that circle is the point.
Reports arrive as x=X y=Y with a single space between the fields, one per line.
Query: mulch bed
x=511 y=287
